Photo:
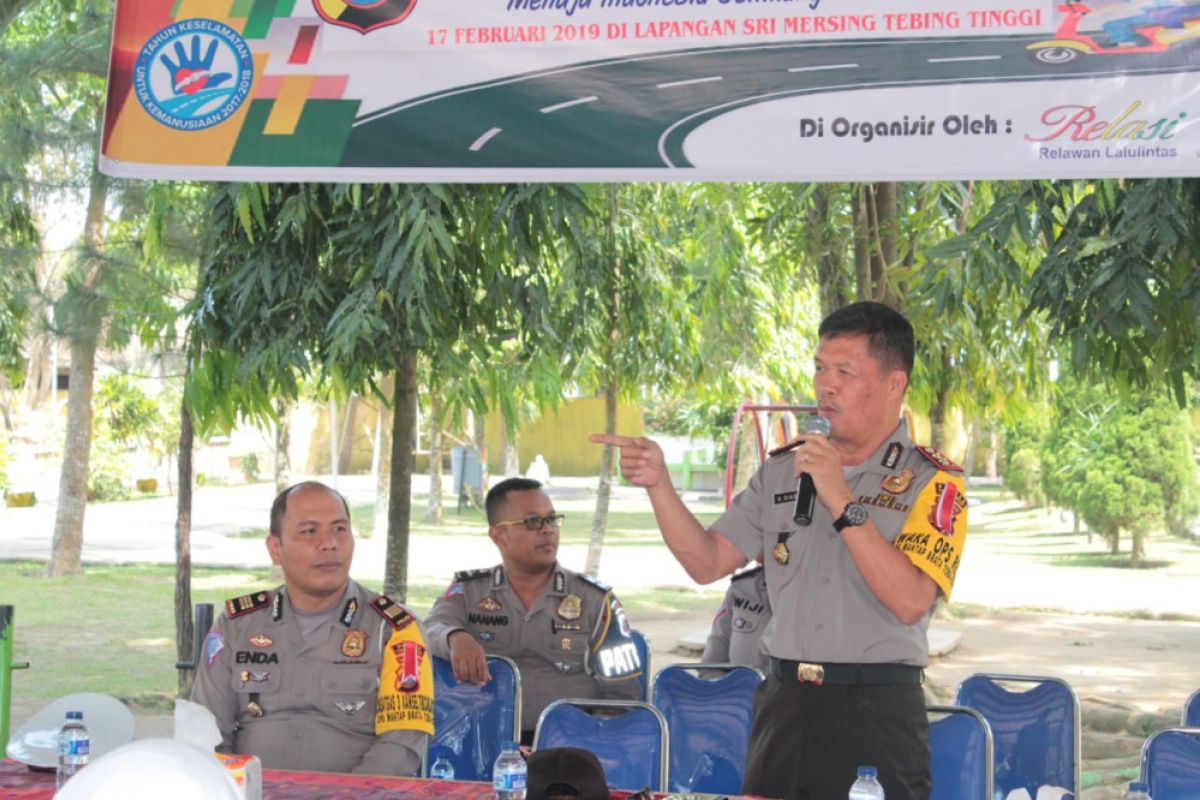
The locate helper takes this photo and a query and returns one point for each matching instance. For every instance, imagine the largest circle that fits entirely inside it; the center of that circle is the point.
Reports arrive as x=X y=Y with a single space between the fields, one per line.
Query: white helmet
x=150 y=769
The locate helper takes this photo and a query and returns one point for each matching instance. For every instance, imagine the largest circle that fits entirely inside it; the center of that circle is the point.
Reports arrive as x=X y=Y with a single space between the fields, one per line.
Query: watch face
x=855 y=514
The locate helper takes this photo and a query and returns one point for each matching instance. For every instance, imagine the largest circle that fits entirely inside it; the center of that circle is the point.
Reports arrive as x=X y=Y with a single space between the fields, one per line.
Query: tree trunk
x=404 y=433
x=346 y=439
x=184 y=631
x=972 y=446
x=283 y=444
x=433 y=514
x=477 y=492
x=830 y=278
x=604 y=491
x=862 y=244
x=84 y=332
x=383 y=476
x=884 y=250
x=937 y=420
x=512 y=452
x=1137 y=549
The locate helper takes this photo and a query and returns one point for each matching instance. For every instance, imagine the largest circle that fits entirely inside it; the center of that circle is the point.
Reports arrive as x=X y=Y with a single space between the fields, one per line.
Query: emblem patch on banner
x=193 y=74
x=364 y=16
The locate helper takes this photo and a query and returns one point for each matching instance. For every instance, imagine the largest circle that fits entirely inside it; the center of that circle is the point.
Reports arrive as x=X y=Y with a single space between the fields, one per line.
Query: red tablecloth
x=17 y=782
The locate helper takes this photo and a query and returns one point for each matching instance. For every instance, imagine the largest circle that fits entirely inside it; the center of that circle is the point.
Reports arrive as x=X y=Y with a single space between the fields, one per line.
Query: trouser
x=808 y=740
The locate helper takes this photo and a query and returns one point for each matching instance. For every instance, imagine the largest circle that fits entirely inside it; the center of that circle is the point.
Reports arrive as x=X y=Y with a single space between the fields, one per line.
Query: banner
x=651 y=90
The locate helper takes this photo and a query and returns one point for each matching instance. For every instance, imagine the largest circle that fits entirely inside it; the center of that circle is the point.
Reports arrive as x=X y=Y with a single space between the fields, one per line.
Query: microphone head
x=817 y=424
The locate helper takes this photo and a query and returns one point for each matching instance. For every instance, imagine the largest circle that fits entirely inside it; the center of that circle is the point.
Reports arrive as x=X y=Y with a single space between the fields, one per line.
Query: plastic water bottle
x=1138 y=791
x=867 y=786
x=509 y=774
x=74 y=745
x=442 y=769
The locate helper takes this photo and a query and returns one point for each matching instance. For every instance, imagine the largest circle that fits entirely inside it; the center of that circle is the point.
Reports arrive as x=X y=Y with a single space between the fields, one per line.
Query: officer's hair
x=279 y=507
x=498 y=493
x=889 y=334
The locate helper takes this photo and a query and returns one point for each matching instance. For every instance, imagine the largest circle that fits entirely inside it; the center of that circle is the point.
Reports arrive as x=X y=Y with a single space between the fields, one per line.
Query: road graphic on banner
x=639 y=112
x=569 y=90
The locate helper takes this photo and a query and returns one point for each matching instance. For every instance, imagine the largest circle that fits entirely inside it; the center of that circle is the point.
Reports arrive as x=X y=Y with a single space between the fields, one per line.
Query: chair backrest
x=960 y=754
x=643 y=649
x=709 y=720
x=628 y=737
x=1171 y=764
x=472 y=722
x=1035 y=733
x=1191 y=711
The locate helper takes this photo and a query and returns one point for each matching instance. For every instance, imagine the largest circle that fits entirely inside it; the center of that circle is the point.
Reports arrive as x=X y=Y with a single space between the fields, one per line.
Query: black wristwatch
x=853 y=515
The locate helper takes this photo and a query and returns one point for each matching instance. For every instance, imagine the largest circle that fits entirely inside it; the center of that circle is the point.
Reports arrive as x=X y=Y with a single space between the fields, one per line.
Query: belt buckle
x=810 y=673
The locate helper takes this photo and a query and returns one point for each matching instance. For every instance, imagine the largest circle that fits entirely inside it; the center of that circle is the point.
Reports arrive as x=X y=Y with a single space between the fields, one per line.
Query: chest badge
x=566 y=643
x=354 y=644
x=571 y=607
x=248 y=675
x=898 y=484
x=351 y=708
x=490 y=603
x=261 y=640
x=780 y=551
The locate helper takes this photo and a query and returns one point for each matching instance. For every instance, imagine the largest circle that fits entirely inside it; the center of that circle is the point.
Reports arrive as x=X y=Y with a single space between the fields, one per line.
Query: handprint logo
x=193 y=74
x=190 y=74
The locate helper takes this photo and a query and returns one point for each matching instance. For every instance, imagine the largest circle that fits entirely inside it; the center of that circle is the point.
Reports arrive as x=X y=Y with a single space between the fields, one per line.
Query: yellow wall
x=562 y=436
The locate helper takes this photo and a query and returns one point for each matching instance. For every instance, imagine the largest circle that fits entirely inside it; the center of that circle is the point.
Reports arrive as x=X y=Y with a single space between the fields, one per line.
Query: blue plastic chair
x=472 y=722
x=1191 y=711
x=1171 y=764
x=643 y=649
x=1035 y=732
x=960 y=751
x=710 y=721
x=630 y=740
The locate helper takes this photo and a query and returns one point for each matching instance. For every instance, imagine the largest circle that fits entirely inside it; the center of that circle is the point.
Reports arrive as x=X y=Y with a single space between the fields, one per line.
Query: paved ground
x=1131 y=673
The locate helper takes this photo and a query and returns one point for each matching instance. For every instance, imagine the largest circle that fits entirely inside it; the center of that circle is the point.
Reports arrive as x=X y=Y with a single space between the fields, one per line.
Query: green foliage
x=1021 y=468
x=686 y=416
x=108 y=472
x=125 y=414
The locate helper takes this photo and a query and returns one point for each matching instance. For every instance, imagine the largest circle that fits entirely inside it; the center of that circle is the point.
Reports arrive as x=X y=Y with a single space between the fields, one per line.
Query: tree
x=346 y=283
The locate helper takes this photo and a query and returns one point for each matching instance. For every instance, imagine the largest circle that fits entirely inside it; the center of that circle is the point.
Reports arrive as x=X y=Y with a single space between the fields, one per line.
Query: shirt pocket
x=348 y=693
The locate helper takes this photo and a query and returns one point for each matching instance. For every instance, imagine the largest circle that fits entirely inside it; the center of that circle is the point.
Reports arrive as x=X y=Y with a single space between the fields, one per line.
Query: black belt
x=847 y=674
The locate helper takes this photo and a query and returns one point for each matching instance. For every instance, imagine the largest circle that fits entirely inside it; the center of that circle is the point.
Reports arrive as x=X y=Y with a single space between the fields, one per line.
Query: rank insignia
x=571 y=607
x=261 y=640
x=570 y=627
x=247 y=603
x=351 y=708
x=490 y=603
x=892 y=457
x=566 y=643
x=254 y=709
x=938 y=459
x=253 y=676
x=898 y=484
x=392 y=611
x=354 y=644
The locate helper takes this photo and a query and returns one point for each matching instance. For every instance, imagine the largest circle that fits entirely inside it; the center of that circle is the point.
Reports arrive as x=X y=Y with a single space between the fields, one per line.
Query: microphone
x=806 y=492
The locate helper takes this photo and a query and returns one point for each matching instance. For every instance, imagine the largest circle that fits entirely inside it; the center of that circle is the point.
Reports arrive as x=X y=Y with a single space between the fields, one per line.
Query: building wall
x=561 y=437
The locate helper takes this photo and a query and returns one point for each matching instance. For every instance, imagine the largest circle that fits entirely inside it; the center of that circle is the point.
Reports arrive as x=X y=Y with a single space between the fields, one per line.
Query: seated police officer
x=567 y=633
x=320 y=673
x=737 y=629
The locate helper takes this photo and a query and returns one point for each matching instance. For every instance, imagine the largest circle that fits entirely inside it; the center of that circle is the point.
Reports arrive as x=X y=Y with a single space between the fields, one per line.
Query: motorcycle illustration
x=1155 y=31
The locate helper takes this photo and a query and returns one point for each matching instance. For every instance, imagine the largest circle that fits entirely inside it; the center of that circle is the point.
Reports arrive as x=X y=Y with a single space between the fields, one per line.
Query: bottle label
x=508 y=781
x=74 y=747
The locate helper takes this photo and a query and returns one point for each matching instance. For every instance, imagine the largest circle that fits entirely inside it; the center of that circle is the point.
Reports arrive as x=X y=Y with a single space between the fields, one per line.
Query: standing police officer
x=567 y=633
x=321 y=673
x=853 y=591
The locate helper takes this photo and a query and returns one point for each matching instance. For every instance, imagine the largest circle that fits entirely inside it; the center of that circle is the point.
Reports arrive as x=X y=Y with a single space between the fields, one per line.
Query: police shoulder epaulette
x=247 y=603
x=748 y=573
x=938 y=459
x=590 y=581
x=392 y=611
x=472 y=574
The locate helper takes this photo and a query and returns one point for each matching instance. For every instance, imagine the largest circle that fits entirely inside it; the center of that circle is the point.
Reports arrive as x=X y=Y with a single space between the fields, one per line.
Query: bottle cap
x=867 y=772
x=512 y=746
x=74 y=715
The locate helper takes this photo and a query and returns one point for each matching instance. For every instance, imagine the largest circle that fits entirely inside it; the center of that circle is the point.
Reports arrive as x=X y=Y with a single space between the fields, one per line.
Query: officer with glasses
x=567 y=633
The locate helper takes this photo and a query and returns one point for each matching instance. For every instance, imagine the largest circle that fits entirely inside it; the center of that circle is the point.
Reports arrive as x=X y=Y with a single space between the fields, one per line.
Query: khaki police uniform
x=357 y=697
x=573 y=642
x=845 y=683
x=737 y=629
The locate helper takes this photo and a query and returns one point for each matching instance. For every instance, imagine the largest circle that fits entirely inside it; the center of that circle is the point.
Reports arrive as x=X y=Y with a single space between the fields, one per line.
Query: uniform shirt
x=356 y=697
x=573 y=642
x=822 y=609
x=737 y=629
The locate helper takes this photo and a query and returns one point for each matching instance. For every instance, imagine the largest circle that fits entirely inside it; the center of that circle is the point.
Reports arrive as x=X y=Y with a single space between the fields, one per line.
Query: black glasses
x=536 y=523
